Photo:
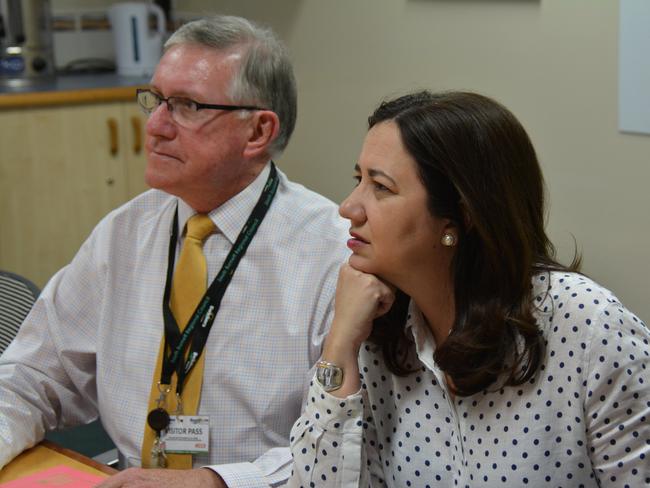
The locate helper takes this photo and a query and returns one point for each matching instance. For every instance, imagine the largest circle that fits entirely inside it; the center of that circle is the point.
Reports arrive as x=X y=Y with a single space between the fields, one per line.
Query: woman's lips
x=356 y=242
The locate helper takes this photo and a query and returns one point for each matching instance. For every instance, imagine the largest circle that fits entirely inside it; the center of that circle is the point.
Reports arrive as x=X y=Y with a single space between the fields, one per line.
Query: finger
x=385 y=302
x=387 y=298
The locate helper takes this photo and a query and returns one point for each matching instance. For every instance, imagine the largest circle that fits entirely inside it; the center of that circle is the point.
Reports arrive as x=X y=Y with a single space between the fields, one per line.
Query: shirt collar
x=231 y=215
x=425 y=344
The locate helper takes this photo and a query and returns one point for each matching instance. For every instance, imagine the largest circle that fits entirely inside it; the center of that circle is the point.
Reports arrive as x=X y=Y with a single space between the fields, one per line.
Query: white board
x=634 y=67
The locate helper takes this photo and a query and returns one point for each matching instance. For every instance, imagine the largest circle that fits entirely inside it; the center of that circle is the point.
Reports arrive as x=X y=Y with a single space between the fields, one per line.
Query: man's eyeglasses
x=185 y=112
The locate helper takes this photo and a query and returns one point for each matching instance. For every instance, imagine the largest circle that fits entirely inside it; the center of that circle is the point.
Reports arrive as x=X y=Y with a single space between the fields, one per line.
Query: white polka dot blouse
x=582 y=421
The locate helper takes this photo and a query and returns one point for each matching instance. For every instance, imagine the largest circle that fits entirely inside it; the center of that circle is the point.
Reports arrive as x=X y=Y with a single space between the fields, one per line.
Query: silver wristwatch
x=329 y=375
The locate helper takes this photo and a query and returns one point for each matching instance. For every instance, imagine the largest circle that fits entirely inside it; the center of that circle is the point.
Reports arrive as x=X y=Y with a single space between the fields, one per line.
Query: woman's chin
x=363 y=264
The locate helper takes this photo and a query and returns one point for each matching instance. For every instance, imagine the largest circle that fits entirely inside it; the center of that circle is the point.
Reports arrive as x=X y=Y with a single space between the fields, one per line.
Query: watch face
x=329 y=376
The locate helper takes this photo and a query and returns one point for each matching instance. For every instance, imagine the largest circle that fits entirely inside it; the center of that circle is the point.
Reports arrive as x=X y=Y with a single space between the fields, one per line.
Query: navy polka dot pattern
x=582 y=421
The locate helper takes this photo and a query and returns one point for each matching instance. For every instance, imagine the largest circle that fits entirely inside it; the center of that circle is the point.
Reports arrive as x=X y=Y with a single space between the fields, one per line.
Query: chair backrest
x=17 y=295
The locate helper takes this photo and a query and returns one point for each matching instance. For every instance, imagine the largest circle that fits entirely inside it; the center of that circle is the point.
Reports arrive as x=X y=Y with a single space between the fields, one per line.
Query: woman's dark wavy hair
x=481 y=172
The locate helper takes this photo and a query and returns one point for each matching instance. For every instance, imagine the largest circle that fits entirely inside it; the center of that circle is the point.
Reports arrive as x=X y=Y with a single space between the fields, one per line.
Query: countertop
x=69 y=89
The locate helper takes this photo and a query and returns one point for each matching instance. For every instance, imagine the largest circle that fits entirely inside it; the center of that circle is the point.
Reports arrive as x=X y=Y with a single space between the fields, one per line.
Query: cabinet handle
x=137 y=134
x=112 y=134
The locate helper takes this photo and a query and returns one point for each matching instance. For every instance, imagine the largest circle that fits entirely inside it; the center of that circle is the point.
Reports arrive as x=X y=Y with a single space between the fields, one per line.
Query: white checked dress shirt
x=583 y=421
x=89 y=346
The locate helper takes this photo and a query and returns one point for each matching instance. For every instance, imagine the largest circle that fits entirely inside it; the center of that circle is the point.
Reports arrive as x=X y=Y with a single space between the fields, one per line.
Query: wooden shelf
x=67 y=97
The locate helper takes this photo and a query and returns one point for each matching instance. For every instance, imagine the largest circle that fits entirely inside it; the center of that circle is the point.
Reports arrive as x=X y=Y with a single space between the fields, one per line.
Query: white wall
x=552 y=62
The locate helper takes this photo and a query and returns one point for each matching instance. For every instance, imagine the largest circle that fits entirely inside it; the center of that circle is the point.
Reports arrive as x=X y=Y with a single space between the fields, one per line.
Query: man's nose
x=160 y=122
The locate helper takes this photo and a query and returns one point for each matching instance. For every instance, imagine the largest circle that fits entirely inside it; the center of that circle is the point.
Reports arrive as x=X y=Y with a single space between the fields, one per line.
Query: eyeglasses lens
x=183 y=111
x=148 y=101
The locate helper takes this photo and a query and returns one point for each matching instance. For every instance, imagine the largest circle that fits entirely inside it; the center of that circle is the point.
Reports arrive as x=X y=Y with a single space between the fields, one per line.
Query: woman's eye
x=380 y=187
x=357 y=180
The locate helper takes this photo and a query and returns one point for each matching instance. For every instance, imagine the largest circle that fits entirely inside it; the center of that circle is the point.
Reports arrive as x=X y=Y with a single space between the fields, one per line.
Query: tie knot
x=199 y=227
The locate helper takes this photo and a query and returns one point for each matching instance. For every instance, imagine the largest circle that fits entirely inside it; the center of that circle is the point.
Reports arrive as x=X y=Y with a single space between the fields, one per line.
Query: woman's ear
x=265 y=129
x=467 y=219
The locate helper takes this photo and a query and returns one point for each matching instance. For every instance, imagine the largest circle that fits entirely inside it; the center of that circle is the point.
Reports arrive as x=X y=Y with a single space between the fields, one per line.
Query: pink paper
x=56 y=477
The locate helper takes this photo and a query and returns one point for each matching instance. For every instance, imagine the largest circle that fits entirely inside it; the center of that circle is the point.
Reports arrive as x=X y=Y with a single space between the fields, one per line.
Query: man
x=105 y=335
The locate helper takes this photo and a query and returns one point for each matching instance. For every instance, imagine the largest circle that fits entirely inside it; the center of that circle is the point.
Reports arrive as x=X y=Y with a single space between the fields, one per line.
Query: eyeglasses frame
x=199 y=106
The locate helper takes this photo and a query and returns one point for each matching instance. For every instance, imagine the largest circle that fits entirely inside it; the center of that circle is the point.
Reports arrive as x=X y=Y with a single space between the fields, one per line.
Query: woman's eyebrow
x=375 y=172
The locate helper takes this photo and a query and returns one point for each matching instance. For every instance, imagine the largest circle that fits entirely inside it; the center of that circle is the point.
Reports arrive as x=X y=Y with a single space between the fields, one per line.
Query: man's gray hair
x=265 y=76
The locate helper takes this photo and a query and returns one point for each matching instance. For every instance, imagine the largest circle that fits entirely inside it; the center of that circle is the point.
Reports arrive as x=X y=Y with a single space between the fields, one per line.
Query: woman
x=461 y=352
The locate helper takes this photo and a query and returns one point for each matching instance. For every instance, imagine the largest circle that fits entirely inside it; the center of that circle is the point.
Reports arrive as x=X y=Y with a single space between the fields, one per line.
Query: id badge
x=187 y=434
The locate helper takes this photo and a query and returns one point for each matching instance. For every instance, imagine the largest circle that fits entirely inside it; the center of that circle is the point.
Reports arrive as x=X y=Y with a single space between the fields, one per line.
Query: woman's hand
x=360 y=298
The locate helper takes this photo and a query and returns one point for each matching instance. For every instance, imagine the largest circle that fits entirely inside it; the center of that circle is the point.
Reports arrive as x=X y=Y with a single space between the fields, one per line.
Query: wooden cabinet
x=135 y=161
x=61 y=170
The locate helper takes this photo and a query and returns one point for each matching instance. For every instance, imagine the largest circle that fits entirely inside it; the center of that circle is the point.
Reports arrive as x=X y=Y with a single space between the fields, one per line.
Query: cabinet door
x=133 y=126
x=60 y=173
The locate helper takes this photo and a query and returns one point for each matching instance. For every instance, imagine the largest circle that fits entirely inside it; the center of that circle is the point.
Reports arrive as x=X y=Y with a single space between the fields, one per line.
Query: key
x=158 y=457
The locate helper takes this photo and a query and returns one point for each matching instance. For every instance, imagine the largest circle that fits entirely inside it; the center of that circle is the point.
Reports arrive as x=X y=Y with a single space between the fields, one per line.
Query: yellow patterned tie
x=188 y=286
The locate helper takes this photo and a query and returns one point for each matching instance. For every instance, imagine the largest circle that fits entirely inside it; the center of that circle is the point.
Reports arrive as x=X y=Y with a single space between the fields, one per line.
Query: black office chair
x=17 y=295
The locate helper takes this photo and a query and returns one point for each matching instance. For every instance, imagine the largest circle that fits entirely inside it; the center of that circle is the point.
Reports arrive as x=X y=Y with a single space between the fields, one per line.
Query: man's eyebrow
x=181 y=94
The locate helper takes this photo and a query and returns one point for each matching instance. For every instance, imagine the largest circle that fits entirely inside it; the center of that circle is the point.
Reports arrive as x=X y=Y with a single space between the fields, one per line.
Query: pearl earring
x=448 y=239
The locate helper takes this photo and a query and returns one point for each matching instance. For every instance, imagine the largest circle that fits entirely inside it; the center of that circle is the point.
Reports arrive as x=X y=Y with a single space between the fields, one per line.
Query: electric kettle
x=137 y=46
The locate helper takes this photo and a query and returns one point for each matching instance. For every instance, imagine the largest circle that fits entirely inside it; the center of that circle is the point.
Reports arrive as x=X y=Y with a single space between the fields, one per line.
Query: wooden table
x=47 y=455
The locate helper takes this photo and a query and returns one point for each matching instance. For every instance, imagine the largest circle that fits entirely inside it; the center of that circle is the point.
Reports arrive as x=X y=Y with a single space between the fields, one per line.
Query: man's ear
x=265 y=129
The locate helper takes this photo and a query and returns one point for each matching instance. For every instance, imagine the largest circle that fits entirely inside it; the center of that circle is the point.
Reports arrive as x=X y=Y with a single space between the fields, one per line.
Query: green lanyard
x=200 y=323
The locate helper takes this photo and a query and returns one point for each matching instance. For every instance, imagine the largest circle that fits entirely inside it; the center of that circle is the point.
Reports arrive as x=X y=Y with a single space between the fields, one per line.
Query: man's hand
x=153 y=478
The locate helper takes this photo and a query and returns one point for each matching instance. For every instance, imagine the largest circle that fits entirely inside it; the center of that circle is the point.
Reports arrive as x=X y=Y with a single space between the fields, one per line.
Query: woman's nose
x=352 y=208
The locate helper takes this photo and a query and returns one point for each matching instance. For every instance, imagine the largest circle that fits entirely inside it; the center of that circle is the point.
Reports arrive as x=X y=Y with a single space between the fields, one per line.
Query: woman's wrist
x=343 y=354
